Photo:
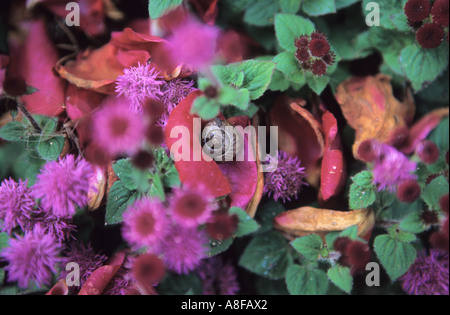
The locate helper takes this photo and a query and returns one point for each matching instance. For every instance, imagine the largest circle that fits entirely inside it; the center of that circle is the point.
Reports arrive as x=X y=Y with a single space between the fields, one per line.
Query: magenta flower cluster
x=171 y=231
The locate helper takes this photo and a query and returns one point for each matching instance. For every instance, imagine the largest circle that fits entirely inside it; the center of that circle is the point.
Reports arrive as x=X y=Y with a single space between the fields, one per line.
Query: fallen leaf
x=370 y=108
x=308 y=220
x=60 y=288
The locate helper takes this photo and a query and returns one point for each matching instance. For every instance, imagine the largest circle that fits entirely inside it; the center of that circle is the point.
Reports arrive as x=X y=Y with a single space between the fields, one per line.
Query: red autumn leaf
x=420 y=130
x=201 y=172
x=80 y=102
x=371 y=109
x=333 y=173
x=100 y=278
x=34 y=61
x=92 y=13
x=299 y=135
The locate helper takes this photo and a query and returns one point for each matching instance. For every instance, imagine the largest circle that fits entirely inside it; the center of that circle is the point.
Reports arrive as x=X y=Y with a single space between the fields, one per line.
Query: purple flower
x=428 y=275
x=16 y=204
x=60 y=228
x=174 y=92
x=194 y=43
x=287 y=180
x=116 y=129
x=63 y=185
x=86 y=258
x=32 y=257
x=144 y=223
x=191 y=207
x=122 y=281
x=184 y=249
x=392 y=167
x=138 y=84
x=218 y=278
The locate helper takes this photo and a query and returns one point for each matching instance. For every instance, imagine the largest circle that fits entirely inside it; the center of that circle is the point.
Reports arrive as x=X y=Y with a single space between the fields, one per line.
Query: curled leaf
x=308 y=220
x=60 y=288
x=97 y=187
x=371 y=109
x=299 y=135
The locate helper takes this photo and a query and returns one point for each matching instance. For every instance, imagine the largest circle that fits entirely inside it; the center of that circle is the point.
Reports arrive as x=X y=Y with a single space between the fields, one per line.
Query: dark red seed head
x=417 y=10
x=319 y=47
x=443 y=202
x=319 y=68
x=439 y=12
x=155 y=135
x=368 y=151
x=408 y=191
x=341 y=243
x=429 y=217
x=399 y=136
x=306 y=66
x=148 y=269
x=303 y=55
x=222 y=226
x=430 y=35
x=143 y=160
x=302 y=42
x=14 y=86
x=439 y=240
x=329 y=58
x=318 y=35
x=427 y=151
x=359 y=255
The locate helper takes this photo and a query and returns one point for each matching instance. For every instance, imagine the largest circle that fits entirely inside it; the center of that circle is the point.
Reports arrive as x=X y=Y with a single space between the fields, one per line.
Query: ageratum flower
x=63 y=185
x=218 y=277
x=16 y=204
x=417 y=10
x=427 y=151
x=408 y=191
x=33 y=257
x=319 y=68
x=439 y=12
x=428 y=275
x=138 y=84
x=319 y=47
x=430 y=35
x=144 y=223
x=184 y=249
x=287 y=180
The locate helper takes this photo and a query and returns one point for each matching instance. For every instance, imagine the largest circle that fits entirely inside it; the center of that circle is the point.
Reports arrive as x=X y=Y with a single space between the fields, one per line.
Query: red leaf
x=333 y=165
x=202 y=172
x=60 y=288
x=80 y=102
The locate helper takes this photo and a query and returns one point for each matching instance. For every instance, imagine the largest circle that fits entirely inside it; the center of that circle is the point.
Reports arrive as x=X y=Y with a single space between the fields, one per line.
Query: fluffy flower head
x=218 y=278
x=417 y=10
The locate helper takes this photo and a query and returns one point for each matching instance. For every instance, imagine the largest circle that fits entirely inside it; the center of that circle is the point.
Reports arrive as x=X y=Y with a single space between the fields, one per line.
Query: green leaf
x=308 y=246
x=226 y=75
x=206 y=108
x=246 y=224
x=157 y=8
x=360 y=197
x=174 y=284
x=288 y=27
x=2 y=276
x=440 y=136
x=290 y=6
x=216 y=247
x=157 y=188
x=392 y=14
x=30 y=90
x=231 y=96
x=341 y=277
x=413 y=223
x=266 y=212
x=423 y=66
x=119 y=198
x=288 y=65
x=350 y=232
x=4 y=241
x=131 y=177
x=267 y=255
x=50 y=149
x=434 y=191
x=171 y=178
x=231 y=111
x=340 y=4
x=319 y=7
x=395 y=256
x=317 y=84
x=14 y=131
x=301 y=280
x=363 y=179
x=279 y=82
x=257 y=76
x=261 y=13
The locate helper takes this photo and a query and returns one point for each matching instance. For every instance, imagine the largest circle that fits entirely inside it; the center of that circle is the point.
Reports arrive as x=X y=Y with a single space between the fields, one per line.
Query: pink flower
x=144 y=223
x=194 y=43
x=116 y=129
x=191 y=207
x=63 y=185
x=184 y=249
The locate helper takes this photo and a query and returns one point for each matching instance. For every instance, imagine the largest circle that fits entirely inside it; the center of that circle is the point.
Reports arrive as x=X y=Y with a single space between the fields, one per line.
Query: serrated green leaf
x=132 y=178
x=206 y=108
x=288 y=65
x=14 y=131
x=413 y=223
x=246 y=224
x=171 y=178
x=50 y=149
x=423 y=66
x=395 y=256
x=279 y=82
x=227 y=76
x=157 y=8
x=341 y=277
x=363 y=179
x=288 y=27
x=340 y=4
x=319 y=7
x=360 y=197
x=266 y=213
x=440 y=136
x=157 y=188
x=308 y=246
x=119 y=198
x=317 y=84
x=290 y=6
x=301 y=280
x=261 y=12
x=267 y=255
x=216 y=247
x=434 y=191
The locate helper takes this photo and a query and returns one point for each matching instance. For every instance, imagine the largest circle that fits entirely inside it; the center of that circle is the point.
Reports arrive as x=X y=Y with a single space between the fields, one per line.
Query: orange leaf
x=308 y=220
x=371 y=109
